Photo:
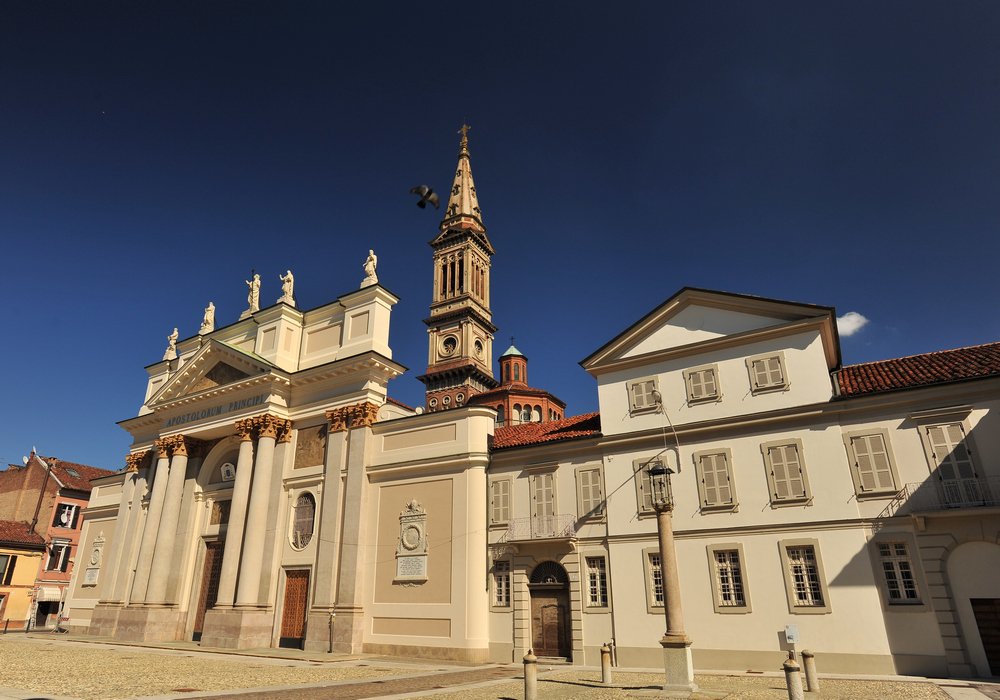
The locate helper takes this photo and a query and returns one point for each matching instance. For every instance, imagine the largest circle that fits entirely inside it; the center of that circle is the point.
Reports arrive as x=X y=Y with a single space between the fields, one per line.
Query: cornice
x=271 y=379
x=431 y=466
x=728 y=532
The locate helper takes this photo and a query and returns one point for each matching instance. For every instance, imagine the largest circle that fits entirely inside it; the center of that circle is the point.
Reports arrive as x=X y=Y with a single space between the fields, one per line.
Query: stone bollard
x=793 y=680
x=606 y=664
x=531 y=677
x=809 y=664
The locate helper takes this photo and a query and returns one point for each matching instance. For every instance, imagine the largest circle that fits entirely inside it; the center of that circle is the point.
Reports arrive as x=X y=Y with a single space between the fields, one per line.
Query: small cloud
x=850 y=323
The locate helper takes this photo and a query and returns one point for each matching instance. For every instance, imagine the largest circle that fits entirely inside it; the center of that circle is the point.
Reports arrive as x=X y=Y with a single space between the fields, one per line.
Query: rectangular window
x=786 y=475
x=597 y=583
x=715 y=484
x=641 y=396
x=767 y=372
x=872 y=466
x=500 y=501
x=589 y=493
x=729 y=579
x=702 y=384
x=65 y=515
x=543 y=495
x=655 y=579
x=643 y=486
x=501 y=584
x=803 y=570
x=898 y=571
x=7 y=562
x=58 y=557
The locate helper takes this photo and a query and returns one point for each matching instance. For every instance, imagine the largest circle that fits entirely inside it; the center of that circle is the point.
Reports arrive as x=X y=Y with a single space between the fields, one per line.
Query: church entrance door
x=211 y=570
x=293 y=616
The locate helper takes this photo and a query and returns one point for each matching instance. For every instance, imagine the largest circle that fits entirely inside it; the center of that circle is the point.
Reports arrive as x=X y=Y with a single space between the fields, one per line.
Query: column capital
x=134 y=461
x=269 y=425
x=245 y=429
x=182 y=445
x=162 y=447
x=356 y=415
x=285 y=431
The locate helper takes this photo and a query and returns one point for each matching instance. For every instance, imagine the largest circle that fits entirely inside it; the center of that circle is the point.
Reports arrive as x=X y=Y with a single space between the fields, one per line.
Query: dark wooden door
x=550 y=622
x=293 y=616
x=987 y=612
x=211 y=571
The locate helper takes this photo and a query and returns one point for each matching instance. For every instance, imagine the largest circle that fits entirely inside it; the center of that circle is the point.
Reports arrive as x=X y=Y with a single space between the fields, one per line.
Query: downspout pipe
x=41 y=493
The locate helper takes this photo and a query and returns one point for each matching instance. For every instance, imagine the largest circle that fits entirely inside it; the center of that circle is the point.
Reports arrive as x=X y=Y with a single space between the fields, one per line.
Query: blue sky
x=839 y=153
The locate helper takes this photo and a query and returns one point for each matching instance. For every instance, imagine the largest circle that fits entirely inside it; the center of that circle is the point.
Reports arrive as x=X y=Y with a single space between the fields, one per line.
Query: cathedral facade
x=276 y=496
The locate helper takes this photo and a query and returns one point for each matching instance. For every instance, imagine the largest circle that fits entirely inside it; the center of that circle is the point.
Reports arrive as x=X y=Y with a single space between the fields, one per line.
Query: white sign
x=792 y=634
x=90 y=576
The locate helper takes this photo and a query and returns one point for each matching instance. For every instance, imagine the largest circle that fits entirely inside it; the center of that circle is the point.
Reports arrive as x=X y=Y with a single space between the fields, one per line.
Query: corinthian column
x=248 y=589
x=159 y=572
x=152 y=524
x=237 y=516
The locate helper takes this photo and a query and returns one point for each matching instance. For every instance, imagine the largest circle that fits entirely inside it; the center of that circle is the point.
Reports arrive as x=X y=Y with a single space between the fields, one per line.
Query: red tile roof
x=70 y=474
x=15 y=532
x=915 y=371
x=389 y=399
x=582 y=426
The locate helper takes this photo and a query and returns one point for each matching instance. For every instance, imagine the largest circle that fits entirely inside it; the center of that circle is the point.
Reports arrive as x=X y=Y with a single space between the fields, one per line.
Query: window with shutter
x=6 y=566
x=948 y=446
x=785 y=472
x=641 y=394
x=702 y=384
x=767 y=372
x=643 y=487
x=872 y=464
x=500 y=501
x=590 y=497
x=715 y=486
x=543 y=496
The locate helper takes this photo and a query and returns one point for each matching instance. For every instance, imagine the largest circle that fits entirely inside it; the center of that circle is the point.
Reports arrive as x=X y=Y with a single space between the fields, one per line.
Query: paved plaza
x=59 y=668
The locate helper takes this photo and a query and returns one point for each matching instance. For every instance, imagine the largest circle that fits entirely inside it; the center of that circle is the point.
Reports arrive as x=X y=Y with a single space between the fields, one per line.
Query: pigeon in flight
x=427 y=196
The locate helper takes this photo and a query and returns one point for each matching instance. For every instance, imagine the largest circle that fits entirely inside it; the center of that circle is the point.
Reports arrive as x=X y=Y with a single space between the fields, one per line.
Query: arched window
x=303 y=520
x=526 y=414
x=536 y=415
x=517 y=372
x=500 y=415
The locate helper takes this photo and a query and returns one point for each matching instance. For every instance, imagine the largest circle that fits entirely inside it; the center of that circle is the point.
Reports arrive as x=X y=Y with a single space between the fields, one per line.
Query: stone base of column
x=238 y=628
x=104 y=619
x=678 y=667
x=348 y=630
x=318 y=637
x=150 y=624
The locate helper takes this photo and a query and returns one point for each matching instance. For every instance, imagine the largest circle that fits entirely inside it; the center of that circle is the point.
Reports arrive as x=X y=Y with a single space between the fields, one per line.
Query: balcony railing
x=938 y=494
x=546 y=527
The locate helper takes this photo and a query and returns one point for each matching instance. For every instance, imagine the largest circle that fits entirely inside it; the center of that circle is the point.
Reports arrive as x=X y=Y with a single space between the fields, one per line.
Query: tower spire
x=463 y=203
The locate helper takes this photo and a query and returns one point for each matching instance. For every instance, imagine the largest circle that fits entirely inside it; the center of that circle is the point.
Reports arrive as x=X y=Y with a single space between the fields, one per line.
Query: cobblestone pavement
x=106 y=672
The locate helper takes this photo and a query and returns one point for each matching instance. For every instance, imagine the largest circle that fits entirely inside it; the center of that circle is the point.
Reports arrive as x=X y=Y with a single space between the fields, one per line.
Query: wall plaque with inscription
x=411 y=549
x=90 y=576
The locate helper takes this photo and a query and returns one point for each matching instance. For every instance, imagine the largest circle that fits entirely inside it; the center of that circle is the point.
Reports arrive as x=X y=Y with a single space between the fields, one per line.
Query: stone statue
x=370 y=264
x=171 y=353
x=253 y=295
x=287 y=289
x=208 y=321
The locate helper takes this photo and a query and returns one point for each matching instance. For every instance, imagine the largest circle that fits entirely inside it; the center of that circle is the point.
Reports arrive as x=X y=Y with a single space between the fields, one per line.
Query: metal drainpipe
x=41 y=494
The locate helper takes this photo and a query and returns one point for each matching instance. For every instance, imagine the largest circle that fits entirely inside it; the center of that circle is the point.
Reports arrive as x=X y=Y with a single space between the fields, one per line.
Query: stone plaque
x=410 y=568
x=411 y=548
x=90 y=576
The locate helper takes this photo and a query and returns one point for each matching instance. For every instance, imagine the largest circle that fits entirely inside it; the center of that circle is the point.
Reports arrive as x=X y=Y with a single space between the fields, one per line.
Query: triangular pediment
x=694 y=318
x=215 y=366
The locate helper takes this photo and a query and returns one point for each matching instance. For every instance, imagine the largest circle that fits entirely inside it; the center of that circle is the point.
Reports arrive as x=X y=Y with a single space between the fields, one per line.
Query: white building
x=857 y=504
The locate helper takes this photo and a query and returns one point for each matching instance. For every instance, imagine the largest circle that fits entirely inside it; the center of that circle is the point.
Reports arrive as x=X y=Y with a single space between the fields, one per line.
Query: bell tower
x=460 y=328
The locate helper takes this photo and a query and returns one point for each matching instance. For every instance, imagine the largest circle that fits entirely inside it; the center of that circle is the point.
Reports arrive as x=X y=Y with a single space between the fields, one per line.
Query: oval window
x=303 y=520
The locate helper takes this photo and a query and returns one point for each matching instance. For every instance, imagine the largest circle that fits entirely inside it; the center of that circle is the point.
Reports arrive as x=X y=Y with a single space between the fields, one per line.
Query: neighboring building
x=49 y=494
x=514 y=401
x=274 y=495
x=21 y=552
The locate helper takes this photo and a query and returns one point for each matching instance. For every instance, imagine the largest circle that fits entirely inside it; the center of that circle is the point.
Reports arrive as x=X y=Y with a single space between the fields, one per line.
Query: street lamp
x=677 y=665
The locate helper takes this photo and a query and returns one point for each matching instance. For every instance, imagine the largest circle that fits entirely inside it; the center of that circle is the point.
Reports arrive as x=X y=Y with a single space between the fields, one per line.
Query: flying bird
x=427 y=196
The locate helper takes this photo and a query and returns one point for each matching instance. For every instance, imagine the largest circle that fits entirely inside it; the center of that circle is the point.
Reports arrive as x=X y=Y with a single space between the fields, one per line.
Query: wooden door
x=211 y=570
x=987 y=613
x=550 y=622
x=293 y=615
